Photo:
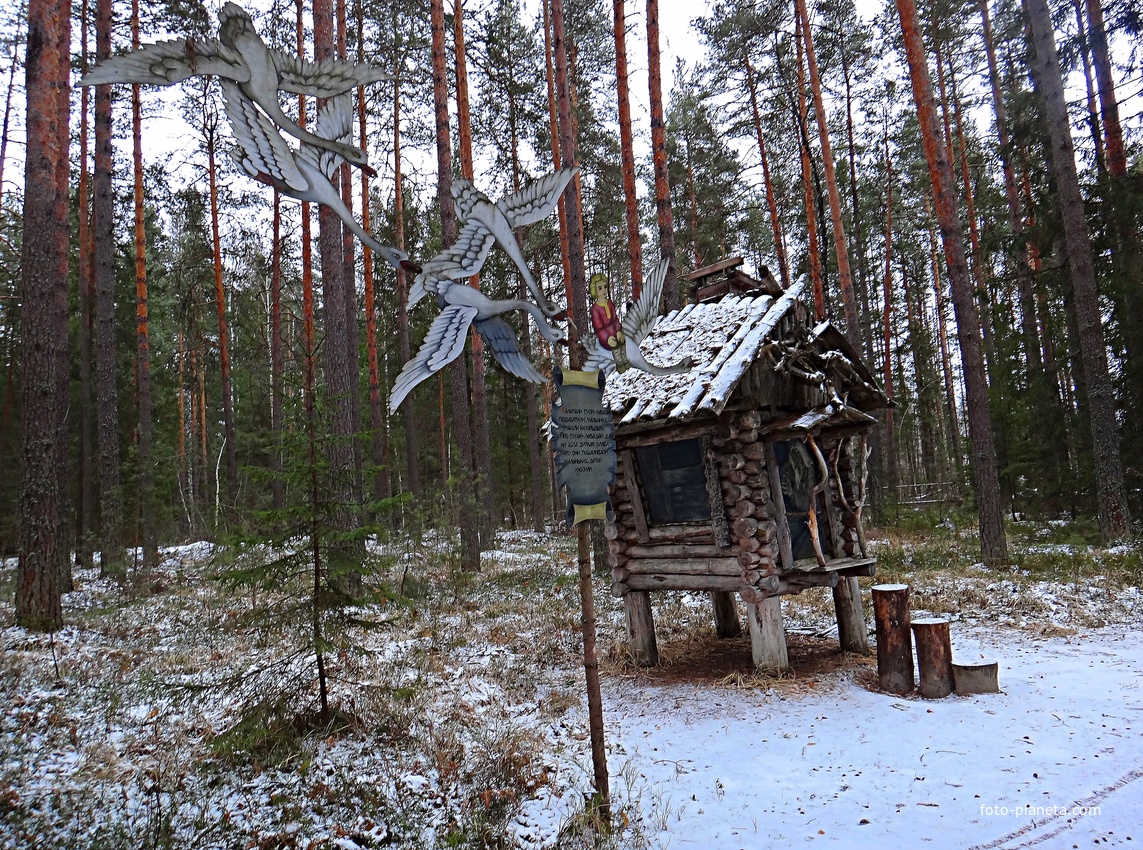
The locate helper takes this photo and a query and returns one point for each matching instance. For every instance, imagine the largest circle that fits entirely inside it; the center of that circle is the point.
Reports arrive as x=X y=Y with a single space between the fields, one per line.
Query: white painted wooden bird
x=461 y=306
x=637 y=323
x=303 y=174
x=240 y=55
x=486 y=222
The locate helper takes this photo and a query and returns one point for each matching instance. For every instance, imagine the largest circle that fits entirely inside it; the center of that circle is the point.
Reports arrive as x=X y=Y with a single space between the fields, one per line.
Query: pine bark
x=43 y=548
x=482 y=448
x=845 y=277
x=408 y=413
x=890 y=454
x=142 y=328
x=277 y=359
x=659 y=159
x=85 y=526
x=458 y=380
x=813 y=245
x=344 y=476
x=771 y=198
x=994 y=546
x=627 y=152
x=111 y=539
x=1114 y=517
x=231 y=449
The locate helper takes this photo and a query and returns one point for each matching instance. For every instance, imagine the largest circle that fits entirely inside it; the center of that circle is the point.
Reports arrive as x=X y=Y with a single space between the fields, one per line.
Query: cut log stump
x=934 y=657
x=894 y=644
x=767 y=637
x=726 y=622
x=978 y=678
x=641 y=628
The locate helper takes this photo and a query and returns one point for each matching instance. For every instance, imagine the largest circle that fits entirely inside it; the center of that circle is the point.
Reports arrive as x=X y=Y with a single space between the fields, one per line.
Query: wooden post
x=852 y=632
x=785 y=548
x=894 y=647
x=726 y=622
x=767 y=638
x=641 y=628
x=934 y=657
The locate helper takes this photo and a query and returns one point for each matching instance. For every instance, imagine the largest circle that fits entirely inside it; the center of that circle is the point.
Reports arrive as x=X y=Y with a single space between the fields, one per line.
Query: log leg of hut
x=934 y=657
x=767 y=637
x=726 y=622
x=894 y=644
x=641 y=628
x=852 y=632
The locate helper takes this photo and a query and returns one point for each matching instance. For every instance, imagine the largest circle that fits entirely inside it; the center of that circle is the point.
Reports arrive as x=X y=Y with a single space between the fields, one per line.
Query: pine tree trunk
x=482 y=448
x=890 y=454
x=142 y=329
x=1092 y=108
x=344 y=475
x=376 y=420
x=867 y=334
x=467 y=519
x=1114 y=517
x=994 y=546
x=813 y=250
x=659 y=160
x=231 y=449
x=44 y=317
x=627 y=152
x=408 y=411
x=85 y=531
x=277 y=359
x=845 y=277
x=771 y=200
x=111 y=539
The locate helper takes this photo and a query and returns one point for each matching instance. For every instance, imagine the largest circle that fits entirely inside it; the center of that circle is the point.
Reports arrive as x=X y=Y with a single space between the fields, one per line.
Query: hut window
x=674 y=481
x=799 y=474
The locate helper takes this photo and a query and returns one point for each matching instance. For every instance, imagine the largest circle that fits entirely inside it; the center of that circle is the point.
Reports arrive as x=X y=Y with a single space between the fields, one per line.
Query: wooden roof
x=724 y=338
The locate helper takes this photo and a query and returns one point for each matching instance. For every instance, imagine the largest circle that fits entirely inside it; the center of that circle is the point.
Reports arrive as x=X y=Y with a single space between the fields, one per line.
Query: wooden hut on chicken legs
x=746 y=474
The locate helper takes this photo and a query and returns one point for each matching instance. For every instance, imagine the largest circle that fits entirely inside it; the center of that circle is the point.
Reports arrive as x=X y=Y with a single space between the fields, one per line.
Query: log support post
x=852 y=632
x=894 y=644
x=641 y=628
x=767 y=638
x=934 y=657
x=726 y=622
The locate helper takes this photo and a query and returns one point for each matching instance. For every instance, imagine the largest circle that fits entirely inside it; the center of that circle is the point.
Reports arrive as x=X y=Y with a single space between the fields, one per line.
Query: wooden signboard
x=583 y=438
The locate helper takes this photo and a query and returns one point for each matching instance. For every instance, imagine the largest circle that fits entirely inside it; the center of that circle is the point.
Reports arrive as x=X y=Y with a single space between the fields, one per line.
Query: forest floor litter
x=461 y=722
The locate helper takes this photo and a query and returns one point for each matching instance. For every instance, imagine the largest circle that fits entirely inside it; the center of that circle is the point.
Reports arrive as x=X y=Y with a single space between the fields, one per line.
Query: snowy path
x=719 y=768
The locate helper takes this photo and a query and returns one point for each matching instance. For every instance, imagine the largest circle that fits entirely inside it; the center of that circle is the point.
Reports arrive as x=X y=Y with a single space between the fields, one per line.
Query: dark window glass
x=799 y=473
x=674 y=482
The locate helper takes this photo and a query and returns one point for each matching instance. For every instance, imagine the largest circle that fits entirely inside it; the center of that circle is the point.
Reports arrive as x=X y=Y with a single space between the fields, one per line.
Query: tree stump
x=641 y=628
x=934 y=657
x=978 y=678
x=726 y=622
x=852 y=633
x=894 y=645
x=767 y=637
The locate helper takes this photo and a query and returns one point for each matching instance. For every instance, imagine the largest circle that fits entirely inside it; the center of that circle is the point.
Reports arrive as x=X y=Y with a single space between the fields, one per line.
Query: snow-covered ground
x=1054 y=760
x=465 y=722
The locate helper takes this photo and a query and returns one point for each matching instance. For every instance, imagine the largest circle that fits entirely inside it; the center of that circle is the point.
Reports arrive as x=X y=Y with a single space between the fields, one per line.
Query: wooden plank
x=685 y=566
x=714 y=268
x=628 y=460
x=676 y=550
x=683 y=582
x=839 y=565
x=696 y=532
x=636 y=435
x=785 y=548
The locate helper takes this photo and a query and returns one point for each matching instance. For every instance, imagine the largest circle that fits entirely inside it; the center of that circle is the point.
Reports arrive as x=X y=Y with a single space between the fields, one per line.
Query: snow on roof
x=723 y=339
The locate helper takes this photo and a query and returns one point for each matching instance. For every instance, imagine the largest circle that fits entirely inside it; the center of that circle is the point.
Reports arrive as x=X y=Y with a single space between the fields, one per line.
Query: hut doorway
x=799 y=474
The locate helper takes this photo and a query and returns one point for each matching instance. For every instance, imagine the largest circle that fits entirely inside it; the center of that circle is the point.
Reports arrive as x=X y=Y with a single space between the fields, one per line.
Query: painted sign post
x=583 y=438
